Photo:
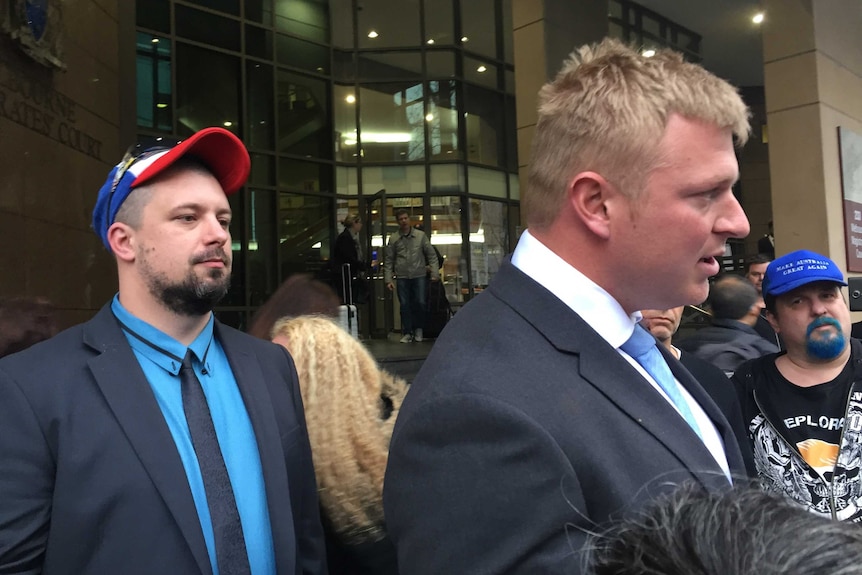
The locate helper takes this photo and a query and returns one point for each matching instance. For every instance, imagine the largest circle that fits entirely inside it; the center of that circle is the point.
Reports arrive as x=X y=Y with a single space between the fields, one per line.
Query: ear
x=121 y=238
x=773 y=321
x=588 y=195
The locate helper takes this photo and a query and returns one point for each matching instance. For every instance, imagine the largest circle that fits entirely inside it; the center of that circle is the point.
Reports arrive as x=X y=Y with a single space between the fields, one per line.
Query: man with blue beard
x=803 y=406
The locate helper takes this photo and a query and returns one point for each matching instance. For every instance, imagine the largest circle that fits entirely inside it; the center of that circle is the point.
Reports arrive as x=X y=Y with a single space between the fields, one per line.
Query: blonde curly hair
x=349 y=422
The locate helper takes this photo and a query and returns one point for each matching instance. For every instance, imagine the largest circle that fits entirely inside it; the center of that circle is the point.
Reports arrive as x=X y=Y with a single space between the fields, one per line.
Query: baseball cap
x=798 y=268
x=216 y=148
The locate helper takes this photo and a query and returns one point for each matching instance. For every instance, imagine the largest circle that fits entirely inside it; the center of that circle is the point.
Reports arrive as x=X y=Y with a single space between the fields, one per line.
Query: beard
x=192 y=295
x=825 y=346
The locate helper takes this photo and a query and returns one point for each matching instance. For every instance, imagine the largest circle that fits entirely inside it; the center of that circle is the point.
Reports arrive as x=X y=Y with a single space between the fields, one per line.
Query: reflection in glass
x=439 y=23
x=302 y=54
x=298 y=175
x=390 y=65
x=480 y=72
x=207 y=28
x=208 y=86
x=346 y=181
x=153 y=62
x=304 y=229
x=478 y=26
x=304 y=18
x=484 y=119
x=344 y=110
x=446 y=235
x=303 y=120
x=392 y=117
x=262 y=246
x=442 y=120
x=488 y=240
x=393 y=179
x=379 y=27
x=259 y=106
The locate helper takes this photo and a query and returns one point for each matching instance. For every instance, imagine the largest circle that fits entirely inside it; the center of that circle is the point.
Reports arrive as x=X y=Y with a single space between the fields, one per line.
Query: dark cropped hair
x=731 y=297
x=758 y=259
x=742 y=531
x=24 y=322
x=299 y=295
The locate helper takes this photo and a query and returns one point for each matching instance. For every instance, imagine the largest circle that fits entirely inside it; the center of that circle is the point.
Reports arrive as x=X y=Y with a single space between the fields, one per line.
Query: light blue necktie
x=642 y=347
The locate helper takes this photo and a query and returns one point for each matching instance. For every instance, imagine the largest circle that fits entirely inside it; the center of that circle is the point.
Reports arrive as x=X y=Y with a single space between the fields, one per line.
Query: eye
x=186 y=217
x=225 y=222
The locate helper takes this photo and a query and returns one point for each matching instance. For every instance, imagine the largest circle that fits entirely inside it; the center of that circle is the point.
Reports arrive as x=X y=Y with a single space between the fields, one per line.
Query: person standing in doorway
x=409 y=253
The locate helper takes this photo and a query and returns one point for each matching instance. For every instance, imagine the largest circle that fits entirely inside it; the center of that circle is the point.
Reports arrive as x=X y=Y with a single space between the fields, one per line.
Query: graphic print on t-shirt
x=819 y=454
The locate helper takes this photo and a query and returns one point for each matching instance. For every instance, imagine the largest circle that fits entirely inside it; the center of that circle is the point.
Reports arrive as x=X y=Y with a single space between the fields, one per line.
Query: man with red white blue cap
x=803 y=406
x=152 y=438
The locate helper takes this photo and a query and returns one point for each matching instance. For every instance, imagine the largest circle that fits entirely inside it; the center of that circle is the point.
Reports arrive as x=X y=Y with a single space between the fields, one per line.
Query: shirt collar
x=156 y=345
x=585 y=297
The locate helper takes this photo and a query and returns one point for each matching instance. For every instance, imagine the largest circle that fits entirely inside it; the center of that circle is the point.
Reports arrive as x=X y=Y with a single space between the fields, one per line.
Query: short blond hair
x=606 y=112
x=349 y=425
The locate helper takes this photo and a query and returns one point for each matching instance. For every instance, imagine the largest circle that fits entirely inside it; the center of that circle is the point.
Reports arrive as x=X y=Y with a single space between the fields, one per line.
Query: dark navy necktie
x=231 y=555
x=642 y=346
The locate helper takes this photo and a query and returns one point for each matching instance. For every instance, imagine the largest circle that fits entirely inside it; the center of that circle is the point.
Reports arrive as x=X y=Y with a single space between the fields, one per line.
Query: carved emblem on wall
x=37 y=27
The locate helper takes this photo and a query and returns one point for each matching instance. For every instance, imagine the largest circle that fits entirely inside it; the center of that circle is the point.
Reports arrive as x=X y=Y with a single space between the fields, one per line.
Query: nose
x=216 y=233
x=818 y=308
x=732 y=222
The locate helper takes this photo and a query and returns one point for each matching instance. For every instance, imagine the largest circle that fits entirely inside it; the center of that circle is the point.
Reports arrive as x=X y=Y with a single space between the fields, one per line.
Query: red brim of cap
x=218 y=149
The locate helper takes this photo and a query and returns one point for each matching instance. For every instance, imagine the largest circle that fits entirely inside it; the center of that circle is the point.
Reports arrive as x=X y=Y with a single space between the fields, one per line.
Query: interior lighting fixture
x=430 y=41
x=228 y=124
x=648 y=53
x=155 y=40
x=757 y=18
x=465 y=39
x=350 y=99
x=161 y=105
x=429 y=117
x=481 y=69
x=373 y=34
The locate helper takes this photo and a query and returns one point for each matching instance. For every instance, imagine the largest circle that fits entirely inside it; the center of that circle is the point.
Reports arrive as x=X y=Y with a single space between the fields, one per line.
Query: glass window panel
x=447 y=178
x=441 y=64
x=446 y=234
x=615 y=30
x=153 y=82
x=154 y=14
x=344 y=109
x=262 y=170
x=301 y=54
x=258 y=42
x=304 y=18
x=393 y=179
x=227 y=6
x=480 y=72
x=207 y=28
x=442 y=119
x=514 y=187
x=297 y=175
x=260 y=132
x=511 y=134
x=382 y=25
x=439 y=22
x=392 y=121
x=342 y=23
x=483 y=116
x=507 y=33
x=489 y=242
x=258 y=11
x=484 y=182
x=304 y=126
x=208 y=86
x=652 y=26
x=515 y=227
x=262 y=246
x=478 y=26
x=510 y=82
x=236 y=319
x=236 y=294
x=344 y=65
x=346 y=181
x=305 y=225
x=615 y=9
x=390 y=65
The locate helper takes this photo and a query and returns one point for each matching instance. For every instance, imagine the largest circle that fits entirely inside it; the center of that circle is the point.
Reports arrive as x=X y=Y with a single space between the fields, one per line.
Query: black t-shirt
x=810 y=418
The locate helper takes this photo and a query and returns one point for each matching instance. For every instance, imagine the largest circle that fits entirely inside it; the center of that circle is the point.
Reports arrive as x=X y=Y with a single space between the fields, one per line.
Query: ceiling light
x=758 y=18
x=648 y=53
x=161 y=105
x=430 y=41
x=429 y=117
x=465 y=39
x=155 y=40
x=481 y=69
x=228 y=124
x=373 y=34
x=350 y=99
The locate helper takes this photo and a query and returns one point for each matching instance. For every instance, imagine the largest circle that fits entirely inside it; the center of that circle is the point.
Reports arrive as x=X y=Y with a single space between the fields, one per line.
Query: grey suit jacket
x=90 y=478
x=524 y=430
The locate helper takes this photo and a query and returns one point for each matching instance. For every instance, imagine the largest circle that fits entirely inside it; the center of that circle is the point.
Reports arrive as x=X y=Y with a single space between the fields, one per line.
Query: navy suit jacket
x=523 y=430
x=90 y=478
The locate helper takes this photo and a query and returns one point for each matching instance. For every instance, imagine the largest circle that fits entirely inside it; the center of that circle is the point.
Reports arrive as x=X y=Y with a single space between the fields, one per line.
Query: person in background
x=25 y=321
x=802 y=407
x=543 y=408
x=663 y=324
x=755 y=269
x=152 y=438
x=300 y=294
x=730 y=340
x=409 y=255
x=348 y=250
x=350 y=405
x=743 y=531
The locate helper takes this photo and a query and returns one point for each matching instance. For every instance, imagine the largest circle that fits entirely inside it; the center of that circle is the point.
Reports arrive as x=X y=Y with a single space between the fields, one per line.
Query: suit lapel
x=127 y=391
x=255 y=394
x=602 y=366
